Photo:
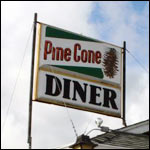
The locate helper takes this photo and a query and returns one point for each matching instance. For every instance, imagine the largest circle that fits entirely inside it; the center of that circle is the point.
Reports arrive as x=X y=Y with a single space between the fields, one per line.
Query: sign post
x=124 y=83
x=31 y=83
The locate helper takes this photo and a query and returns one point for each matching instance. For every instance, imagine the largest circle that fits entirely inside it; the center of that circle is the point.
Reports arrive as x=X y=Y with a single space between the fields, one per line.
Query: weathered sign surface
x=78 y=71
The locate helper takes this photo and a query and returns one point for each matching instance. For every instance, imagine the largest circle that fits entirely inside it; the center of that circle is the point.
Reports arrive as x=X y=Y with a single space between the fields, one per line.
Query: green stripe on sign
x=58 y=33
x=95 y=72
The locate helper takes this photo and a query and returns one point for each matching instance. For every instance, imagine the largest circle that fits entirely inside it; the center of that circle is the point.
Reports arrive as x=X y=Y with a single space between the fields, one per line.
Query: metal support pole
x=124 y=83
x=31 y=83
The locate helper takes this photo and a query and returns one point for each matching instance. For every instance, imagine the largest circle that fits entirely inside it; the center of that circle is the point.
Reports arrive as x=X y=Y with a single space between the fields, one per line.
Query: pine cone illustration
x=110 y=63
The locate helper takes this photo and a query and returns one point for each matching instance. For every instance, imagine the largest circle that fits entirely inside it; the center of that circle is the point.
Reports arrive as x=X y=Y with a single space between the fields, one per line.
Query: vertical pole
x=31 y=83
x=124 y=83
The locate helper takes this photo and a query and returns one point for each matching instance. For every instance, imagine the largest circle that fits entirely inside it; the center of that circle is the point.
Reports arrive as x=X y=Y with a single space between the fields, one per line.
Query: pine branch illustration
x=110 y=63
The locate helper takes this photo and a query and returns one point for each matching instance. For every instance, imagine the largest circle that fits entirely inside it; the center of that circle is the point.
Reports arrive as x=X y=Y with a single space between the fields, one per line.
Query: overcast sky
x=112 y=22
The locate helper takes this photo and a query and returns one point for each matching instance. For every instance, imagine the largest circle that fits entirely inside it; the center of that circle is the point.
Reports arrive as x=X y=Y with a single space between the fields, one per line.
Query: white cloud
x=137 y=96
x=17 y=18
x=122 y=23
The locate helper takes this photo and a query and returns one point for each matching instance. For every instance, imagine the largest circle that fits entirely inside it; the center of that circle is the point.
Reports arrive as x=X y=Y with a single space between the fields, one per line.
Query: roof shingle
x=122 y=139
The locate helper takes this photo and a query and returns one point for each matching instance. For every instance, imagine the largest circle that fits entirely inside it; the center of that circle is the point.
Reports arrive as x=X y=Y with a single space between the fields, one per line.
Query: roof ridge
x=134 y=124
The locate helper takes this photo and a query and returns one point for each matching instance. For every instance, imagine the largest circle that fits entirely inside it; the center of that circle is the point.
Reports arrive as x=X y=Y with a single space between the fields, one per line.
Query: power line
x=11 y=98
x=138 y=61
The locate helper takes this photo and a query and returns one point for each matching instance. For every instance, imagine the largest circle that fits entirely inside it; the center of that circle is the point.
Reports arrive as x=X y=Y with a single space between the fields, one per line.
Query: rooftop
x=135 y=136
x=123 y=139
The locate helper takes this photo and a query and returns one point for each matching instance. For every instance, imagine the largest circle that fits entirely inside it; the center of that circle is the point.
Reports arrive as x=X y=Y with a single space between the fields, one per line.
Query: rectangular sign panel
x=94 y=59
x=82 y=72
x=58 y=89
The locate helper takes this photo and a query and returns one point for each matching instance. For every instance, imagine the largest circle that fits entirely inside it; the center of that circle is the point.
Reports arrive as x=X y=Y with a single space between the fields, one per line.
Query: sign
x=58 y=89
x=79 y=71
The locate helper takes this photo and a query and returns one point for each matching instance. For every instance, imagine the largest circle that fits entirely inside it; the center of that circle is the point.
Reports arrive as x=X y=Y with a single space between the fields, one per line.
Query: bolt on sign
x=78 y=71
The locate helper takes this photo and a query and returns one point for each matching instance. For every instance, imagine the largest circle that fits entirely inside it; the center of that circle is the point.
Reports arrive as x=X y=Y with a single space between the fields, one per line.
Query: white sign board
x=81 y=74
